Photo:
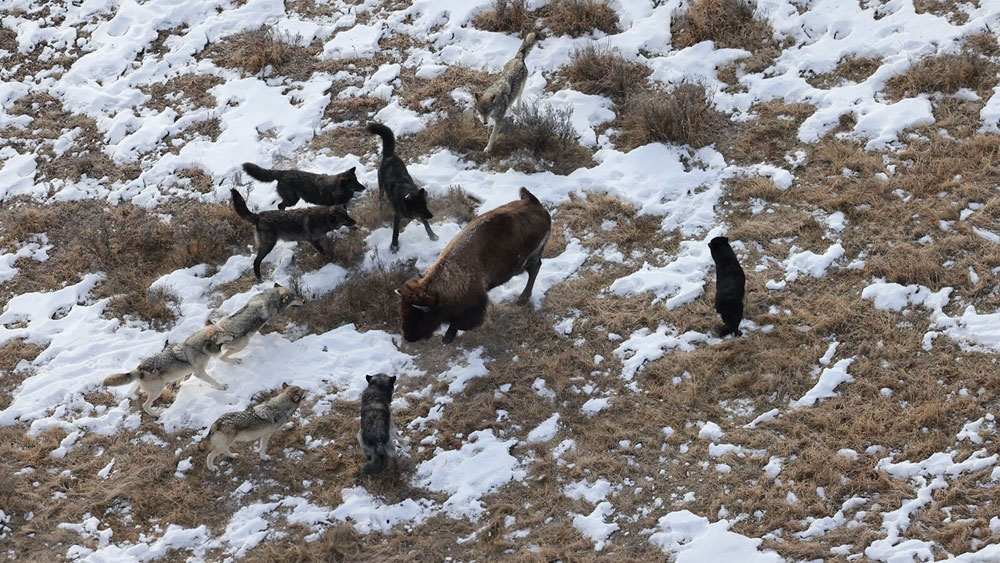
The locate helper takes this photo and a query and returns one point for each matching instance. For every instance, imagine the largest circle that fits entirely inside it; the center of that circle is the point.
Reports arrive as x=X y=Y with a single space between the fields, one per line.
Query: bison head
x=418 y=311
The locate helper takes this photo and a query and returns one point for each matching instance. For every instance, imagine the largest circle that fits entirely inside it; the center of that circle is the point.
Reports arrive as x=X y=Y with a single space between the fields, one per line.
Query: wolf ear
x=351 y=171
x=284 y=386
x=208 y=322
x=423 y=192
x=276 y=284
x=368 y=378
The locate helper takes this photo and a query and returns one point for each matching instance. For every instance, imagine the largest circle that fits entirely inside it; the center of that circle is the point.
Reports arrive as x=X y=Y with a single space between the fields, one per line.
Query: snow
x=593 y=525
x=545 y=431
x=691 y=538
x=825 y=386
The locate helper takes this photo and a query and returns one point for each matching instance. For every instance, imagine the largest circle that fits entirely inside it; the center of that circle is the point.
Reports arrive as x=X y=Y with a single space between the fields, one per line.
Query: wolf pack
x=489 y=251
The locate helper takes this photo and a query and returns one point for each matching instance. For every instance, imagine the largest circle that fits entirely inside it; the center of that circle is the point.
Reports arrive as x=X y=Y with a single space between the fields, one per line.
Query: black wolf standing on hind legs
x=730 y=284
x=319 y=189
x=394 y=182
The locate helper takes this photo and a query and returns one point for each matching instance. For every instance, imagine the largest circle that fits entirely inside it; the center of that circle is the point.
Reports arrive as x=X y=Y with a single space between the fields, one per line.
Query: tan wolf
x=257 y=422
x=174 y=363
x=493 y=103
x=258 y=311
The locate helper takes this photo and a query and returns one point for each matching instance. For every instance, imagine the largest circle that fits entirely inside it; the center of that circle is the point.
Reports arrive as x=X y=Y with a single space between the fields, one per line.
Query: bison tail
x=528 y=196
x=240 y=205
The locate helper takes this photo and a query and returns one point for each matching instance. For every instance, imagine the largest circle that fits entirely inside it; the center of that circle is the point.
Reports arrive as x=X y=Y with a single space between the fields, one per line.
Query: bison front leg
x=468 y=320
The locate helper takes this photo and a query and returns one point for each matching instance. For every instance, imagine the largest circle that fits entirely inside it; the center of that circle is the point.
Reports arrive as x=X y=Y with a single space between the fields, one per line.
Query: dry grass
x=508 y=16
x=603 y=71
x=579 y=17
x=770 y=136
x=729 y=23
x=683 y=115
x=254 y=51
x=850 y=69
x=946 y=74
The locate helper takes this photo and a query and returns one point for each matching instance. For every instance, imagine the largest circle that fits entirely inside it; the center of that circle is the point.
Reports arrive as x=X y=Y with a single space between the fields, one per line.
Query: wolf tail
x=377 y=464
x=262 y=174
x=119 y=379
x=240 y=205
x=526 y=44
x=388 y=139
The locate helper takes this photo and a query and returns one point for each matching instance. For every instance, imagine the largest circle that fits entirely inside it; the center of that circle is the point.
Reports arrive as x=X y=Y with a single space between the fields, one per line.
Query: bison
x=489 y=251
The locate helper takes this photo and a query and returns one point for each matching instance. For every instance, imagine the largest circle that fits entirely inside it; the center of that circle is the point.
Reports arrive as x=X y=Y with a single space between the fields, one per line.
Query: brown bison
x=490 y=250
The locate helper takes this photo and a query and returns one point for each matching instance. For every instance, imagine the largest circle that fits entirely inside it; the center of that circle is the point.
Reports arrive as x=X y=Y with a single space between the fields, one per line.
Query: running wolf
x=310 y=224
x=377 y=431
x=394 y=182
x=494 y=102
x=320 y=189
x=174 y=363
x=257 y=422
x=730 y=284
x=258 y=311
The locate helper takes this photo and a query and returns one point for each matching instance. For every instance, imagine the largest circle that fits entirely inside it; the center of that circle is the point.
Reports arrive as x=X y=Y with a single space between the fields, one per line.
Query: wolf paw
x=265 y=457
x=434 y=237
x=394 y=248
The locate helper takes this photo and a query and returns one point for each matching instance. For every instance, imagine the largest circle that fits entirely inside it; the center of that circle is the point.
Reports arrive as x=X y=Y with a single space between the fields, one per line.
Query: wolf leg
x=288 y=197
x=266 y=245
x=394 y=246
x=153 y=391
x=493 y=136
x=263 y=447
x=427 y=227
x=199 y=372
x=319 y=247
x=211 y=459
x=234 y=347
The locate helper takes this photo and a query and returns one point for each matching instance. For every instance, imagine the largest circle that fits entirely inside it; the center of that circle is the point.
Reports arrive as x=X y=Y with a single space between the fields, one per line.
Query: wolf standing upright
x=493 y=103
x=310 y=224
x=259 y=310
x=730 y=284
x=257 y=422
x=319 y=189
x=174 y=363
x=377 y=431
x=394 y=182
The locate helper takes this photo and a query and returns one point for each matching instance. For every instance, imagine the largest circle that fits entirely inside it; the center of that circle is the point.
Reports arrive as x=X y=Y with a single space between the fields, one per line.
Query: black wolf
x=320 y=189
x=310 y=224
x=394 y=182
x=730 y=283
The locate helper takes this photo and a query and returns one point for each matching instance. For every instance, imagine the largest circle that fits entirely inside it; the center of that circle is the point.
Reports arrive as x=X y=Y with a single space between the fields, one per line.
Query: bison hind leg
x=533 y=264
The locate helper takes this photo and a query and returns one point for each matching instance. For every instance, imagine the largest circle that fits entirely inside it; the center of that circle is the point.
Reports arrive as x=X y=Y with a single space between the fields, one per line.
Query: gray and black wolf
x=173 y=363
x=494 y=102
x=377 y=431
x=394 y=182
x=730 y=284
x=319 y=189
x=257 y=422
x=309 y=224
x=258 y=311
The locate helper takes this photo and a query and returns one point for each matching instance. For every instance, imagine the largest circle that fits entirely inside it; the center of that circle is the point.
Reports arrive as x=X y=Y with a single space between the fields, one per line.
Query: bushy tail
x=526 y=195
x=377 y=464
x=118 y=379
x=526 y=44
x=388 y=139
x=261 y=174
x=240 y=205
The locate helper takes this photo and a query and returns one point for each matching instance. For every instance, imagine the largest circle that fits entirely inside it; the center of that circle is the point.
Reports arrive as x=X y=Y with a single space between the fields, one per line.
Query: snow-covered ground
x=270 y=119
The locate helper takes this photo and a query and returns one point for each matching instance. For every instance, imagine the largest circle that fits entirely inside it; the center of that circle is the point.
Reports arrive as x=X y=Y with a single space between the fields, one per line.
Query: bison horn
x=398 y=293
x=423 y=308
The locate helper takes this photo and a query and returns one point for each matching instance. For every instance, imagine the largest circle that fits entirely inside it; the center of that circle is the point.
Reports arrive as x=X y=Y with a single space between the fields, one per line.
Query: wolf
x=493 y=103
x=394 y=182
x=730 y=284
x=257 y=422
x=320 y=189
x=259 y=310
x=309 y=224
x=174 y=363
x=377 y=431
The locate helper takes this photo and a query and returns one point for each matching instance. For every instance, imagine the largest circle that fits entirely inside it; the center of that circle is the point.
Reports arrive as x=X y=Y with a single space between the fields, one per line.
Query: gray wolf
x=259 y=310
x=730 y=284
x=310 y=224
x=494 y=102
x=174 y=363
x=490 y=250
x=394 y=182
x=377 y=431
x=257 y=422
x=319 y=189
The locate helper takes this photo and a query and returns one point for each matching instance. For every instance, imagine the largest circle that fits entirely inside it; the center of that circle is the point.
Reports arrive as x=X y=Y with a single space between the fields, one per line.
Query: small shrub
x=507 y=16
x=459 y=131
x=729 y=23
x=253 y=51
x=596 y=70
x=541 y=129
x=683 y=115
x=578 y=17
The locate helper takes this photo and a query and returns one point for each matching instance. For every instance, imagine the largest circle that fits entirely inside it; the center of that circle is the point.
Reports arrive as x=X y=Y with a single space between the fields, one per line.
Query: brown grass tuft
x=253 y=51
x=682 y=115
x=579 y=17
x=729 y=23
x=458 y=131
x=508 y=16
x=850 y=69
x=945 y=73
x=542 y=133
x=599 y=70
